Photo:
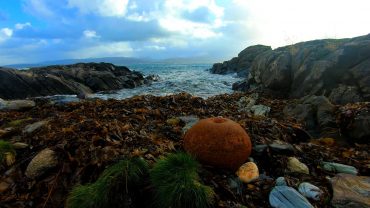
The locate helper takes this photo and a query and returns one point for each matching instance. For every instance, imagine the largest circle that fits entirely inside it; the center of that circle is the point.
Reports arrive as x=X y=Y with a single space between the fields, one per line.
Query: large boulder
x=69 y=79
x=240 y=64
x=316 y=113
x=338 y=69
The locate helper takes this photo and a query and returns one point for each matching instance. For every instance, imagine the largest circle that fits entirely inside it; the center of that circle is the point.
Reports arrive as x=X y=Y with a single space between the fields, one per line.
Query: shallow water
x=176 y=78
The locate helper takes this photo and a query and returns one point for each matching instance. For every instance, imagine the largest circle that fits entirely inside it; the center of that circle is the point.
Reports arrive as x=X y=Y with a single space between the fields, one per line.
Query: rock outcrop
x=338 y=69
x=69 y=79
x=240 y=64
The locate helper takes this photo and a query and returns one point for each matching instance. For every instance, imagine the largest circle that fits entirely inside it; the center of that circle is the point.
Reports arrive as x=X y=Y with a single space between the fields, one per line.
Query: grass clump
x=6 y=148
x=177 y=183
x=114 y=188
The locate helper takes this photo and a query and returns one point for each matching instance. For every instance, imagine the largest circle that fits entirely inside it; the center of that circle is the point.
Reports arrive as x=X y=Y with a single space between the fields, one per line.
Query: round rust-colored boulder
x=218 y=142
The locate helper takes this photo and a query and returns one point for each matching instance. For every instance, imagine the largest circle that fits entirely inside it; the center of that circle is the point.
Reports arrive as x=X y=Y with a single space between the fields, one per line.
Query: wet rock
x=248 y=172
x=35 y=126
x=294 y=165
x=260 y=149
x=260 y=110
x=279 y=147
x=16 y=104
x=41 y=163
x=151 y=78
x=339 y=168
x=287 y=197
x=241 y=86
x=344 y=94
x=350 y=191
x=310 y=191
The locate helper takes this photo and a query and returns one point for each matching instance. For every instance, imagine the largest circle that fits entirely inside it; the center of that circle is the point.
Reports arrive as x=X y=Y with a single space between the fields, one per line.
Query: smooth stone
x=260 y=110
x=281 y=148
x=280 y=181
x=33 y=127
x=42 y=162
x=294 y=165
x=173 y=121
x=310 y=191
x=339 y=168
x=287 y=197
x=16 y=104
x=350 y=191
x=248 y=172
x=20 y=145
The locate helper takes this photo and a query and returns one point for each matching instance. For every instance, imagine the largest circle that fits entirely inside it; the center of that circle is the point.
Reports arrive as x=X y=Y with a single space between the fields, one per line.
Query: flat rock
x=33 y=127
x=42 y=162
x=16 y=104
x=339 y=168
x=281 y=148
x=350 y=191
x=287 y=197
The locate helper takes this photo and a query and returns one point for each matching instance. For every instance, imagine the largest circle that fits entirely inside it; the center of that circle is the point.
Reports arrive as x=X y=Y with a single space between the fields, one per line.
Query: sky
x=33 y=31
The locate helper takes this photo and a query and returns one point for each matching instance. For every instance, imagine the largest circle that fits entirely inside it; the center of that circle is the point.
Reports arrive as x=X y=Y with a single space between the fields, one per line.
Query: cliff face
x=68 y=79
x=338 y=69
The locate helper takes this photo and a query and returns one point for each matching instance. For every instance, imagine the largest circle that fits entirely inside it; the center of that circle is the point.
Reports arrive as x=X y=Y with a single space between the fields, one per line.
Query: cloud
x=5 y=33
x=103 y=49
x=108 y=8
x=38 y=7
x=20 y=26
x=90 y=34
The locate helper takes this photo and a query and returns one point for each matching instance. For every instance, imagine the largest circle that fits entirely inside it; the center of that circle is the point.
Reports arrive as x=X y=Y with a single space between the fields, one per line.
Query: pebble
x=339 y=168
x=350 y=191
x=287 y=197
x=260 y=110
x=294 y=165
x=33 y=127
x=42 y=162
x=310 y=191
x=189 y=122
x=248 y=172
x=20 y=145
x=279 y=147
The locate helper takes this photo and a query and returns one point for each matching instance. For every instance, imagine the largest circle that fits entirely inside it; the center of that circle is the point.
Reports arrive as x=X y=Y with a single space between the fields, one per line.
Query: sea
x=194 y=79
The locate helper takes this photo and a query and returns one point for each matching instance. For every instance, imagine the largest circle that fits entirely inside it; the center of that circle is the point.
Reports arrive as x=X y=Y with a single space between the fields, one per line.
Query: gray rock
x=189 y=122
x=350 y=191
x=240 y=86
x=287 y=197
x=339 y=168
x=69 y=79
x=338 y=69
x=316 y=113
x=246 y=103
x=16 y=104
x=281 y=148
x=41 y=163
x=260 y=110
x=33 y=127
x=310 y=191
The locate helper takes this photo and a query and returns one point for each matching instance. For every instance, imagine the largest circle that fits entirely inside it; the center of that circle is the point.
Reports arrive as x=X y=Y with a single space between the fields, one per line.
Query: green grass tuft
x=113 y=188
x=5 y=147
x=177 y=183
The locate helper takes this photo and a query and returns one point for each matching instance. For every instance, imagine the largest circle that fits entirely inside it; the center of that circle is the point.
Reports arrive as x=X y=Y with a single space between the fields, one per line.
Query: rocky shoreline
x=336 y=68
x=60 y=146
x=75 y=79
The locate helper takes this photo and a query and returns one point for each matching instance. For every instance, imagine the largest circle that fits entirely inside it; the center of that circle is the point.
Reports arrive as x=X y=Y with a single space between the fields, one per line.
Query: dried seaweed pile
x=87 y=136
